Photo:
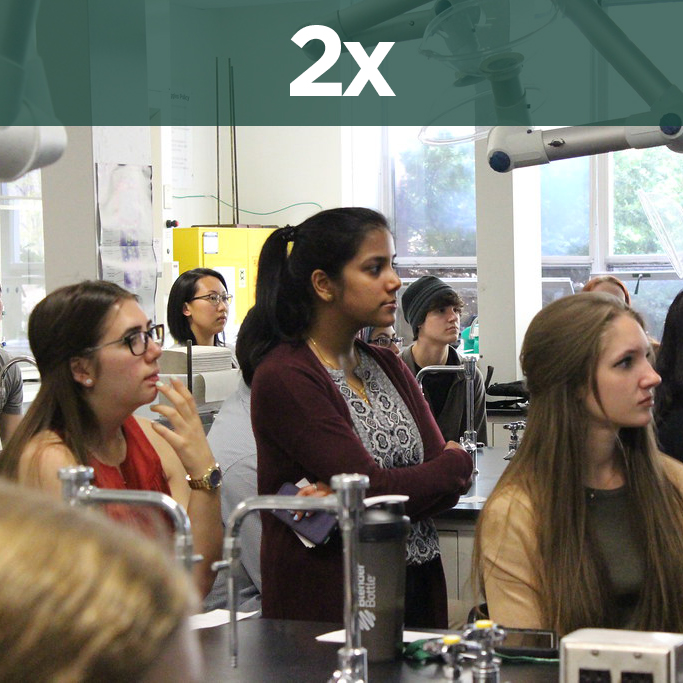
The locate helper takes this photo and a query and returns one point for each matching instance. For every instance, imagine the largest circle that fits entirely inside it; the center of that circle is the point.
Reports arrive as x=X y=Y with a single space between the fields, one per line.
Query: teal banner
x=325 y=62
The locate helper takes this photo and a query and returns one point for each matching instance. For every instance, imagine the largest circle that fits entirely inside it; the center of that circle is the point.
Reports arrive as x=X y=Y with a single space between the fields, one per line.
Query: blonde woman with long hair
x=585 y=527
x=83 y=599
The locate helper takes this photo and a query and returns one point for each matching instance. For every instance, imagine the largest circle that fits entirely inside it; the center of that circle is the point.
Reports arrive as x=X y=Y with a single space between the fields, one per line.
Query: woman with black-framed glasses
x=97 y=354
x=198 y=307
x=384 y=337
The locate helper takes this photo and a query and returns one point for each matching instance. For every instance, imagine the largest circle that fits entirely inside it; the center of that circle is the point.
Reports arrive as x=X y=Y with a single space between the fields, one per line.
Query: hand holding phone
x=317 y=527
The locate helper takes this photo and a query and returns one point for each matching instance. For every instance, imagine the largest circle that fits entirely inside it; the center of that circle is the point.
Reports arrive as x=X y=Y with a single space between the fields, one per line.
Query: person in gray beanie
x=432 y=309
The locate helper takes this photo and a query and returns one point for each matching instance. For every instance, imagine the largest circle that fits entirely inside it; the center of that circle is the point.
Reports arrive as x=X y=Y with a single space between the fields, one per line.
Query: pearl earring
x=88 y=382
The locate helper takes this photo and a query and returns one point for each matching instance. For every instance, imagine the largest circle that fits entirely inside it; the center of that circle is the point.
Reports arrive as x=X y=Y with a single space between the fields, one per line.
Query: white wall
x=199 y=208
x=69 y=213
x=281 y=166
x=277 y=166
x=508 y=262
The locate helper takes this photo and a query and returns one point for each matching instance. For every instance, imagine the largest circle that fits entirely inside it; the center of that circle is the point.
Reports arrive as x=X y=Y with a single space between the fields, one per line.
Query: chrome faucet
x=514 y=427
x=476 y=643
x=5 y=369
x=78 y=490
x=486 y=634
x=348 y=504
x=469 y=439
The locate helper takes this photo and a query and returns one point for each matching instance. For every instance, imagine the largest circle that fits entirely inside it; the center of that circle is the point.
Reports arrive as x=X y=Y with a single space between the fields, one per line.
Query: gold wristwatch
x=211 y=480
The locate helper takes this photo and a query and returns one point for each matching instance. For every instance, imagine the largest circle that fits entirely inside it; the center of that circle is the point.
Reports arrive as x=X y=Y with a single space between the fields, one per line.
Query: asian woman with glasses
x=198 y=307
x=97 y=354
x=384 y=337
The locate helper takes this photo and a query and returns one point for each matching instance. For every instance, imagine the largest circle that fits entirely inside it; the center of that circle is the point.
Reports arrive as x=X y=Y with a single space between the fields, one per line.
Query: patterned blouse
x=388 y=431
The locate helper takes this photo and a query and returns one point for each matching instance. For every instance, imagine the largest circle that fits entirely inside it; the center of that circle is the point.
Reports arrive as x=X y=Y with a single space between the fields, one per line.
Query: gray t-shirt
x=233 y=445
x=13 y=396
x=609 y=521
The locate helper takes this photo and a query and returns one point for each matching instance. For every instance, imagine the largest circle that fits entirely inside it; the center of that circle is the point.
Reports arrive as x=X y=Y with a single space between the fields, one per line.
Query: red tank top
x=141 y=470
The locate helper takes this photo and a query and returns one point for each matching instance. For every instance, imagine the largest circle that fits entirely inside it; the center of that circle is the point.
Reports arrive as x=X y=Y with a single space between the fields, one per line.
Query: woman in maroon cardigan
x=324 y=403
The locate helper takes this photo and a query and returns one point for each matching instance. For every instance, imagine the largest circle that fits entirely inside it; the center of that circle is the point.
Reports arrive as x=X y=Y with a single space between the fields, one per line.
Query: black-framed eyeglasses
x=215 y=299
x=386 y=342
x=137 y=341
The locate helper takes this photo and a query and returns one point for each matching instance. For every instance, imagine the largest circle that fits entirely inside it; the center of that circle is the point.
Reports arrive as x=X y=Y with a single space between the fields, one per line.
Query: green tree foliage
x=655 y=169
x=434 y=201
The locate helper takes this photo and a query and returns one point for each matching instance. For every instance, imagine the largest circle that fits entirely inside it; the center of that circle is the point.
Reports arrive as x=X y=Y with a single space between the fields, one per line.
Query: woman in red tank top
x=97 y=354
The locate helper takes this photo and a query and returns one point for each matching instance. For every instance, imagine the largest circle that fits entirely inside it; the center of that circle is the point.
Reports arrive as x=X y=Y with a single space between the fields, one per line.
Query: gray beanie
x=418 y=296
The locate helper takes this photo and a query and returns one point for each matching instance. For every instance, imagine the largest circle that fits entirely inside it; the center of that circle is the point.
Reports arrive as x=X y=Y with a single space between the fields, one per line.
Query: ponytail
x=285 y=300
x=261 y=330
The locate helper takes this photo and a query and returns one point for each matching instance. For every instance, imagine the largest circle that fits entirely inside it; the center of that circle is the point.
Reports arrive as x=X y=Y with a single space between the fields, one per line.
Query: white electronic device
x=601 y=655
x=213 y=377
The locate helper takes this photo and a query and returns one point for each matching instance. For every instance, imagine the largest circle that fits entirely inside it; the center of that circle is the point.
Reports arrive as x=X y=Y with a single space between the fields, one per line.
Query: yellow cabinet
x=233 y=251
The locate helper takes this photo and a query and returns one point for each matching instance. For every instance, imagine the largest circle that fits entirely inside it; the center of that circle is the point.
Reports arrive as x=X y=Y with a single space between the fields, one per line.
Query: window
x=622 y=241
x=655 y=169
x=433 y=197
x=631 y=246
x=22 y=267
x=655 y=294
x=565 y=208
x=592 y=221
x=434 y=214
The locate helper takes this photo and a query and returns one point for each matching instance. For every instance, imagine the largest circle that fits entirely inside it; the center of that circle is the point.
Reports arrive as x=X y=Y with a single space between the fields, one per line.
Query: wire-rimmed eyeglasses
x=386 y=342
x=215 y=299
x=137 y=341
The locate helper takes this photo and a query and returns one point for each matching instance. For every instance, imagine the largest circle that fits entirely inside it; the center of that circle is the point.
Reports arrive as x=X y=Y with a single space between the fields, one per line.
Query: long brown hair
x=559 y=359
x=62 y=326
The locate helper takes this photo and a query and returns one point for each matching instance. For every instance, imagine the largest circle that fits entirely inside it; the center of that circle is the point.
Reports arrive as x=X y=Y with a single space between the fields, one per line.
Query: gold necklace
x=357 y=384
x=321 y=354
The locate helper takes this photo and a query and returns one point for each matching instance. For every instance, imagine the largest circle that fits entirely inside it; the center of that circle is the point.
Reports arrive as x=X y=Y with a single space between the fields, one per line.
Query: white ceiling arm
x=25 y=148
x=511 y=147
x=25 y=103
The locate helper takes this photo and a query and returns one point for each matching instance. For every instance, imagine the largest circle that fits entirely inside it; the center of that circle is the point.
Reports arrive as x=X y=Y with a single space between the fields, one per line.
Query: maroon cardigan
x=303 y=428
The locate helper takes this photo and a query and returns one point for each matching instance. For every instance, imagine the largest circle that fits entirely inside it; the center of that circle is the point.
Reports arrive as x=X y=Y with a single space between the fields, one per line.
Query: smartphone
x=317 y=528
x=529 y=642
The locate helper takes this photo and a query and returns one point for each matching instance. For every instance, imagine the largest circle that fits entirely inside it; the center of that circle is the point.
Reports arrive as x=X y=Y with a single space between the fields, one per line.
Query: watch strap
x=211 y=480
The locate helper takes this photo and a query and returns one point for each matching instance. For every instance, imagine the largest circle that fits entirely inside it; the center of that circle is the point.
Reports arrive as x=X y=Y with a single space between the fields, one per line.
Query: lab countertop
x=491 y=464
x=509 y=413
x=274 y=650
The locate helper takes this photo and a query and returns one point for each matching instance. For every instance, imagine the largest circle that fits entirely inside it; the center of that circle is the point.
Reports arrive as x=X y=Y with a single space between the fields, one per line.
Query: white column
x=69 y=213
x=508 y=262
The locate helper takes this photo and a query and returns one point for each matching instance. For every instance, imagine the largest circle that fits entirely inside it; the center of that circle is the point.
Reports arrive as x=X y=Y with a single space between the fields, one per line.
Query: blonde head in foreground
x=83 y=599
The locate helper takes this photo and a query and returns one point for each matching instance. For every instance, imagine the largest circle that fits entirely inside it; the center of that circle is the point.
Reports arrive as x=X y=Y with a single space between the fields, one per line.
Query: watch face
x=215 y=477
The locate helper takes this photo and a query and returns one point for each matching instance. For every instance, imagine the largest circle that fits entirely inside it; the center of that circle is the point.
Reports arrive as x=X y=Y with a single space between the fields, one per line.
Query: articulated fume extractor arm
x=517 y=146
x=25 y=105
